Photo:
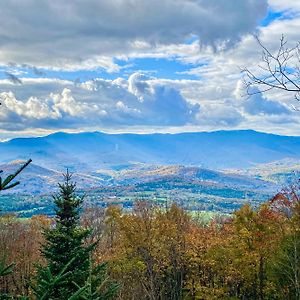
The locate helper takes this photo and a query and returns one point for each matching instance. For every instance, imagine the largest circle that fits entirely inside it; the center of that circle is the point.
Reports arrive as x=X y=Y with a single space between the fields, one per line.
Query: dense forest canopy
x=160 y=253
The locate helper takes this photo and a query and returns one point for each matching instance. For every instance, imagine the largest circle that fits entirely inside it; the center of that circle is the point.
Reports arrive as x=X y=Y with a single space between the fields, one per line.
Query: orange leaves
x=157 y=253
x=20 y=242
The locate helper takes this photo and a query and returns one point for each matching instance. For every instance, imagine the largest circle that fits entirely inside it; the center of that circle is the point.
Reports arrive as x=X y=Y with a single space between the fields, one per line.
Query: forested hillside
x=151 y=252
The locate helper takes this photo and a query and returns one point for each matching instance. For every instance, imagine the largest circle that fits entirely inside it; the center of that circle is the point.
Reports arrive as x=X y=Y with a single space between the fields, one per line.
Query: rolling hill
x=37 y=180
x=192 y=187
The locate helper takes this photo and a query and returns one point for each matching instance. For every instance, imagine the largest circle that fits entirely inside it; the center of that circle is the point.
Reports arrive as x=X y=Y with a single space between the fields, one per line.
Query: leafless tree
x=277 y=70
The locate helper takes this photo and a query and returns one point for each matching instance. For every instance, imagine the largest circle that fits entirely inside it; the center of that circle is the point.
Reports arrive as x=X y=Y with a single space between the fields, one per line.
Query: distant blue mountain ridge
x=91 y=151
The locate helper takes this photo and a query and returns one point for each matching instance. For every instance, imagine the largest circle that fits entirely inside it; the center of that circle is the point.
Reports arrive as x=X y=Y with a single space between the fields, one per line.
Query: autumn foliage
x=165 y=253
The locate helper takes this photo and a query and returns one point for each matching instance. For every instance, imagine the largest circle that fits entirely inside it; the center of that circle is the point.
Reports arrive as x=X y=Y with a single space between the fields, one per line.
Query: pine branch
x=6 y=183
x=5 y=269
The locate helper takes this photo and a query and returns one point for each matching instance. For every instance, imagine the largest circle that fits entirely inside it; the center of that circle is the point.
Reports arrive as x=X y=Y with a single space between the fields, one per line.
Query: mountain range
x=91 y=151
x=214 y=171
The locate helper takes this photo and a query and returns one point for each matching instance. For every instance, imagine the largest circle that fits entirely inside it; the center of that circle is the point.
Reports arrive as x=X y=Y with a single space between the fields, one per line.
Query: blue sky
x=158 y=66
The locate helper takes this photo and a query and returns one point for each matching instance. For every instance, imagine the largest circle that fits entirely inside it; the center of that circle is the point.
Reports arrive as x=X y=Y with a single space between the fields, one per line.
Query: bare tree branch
x=280 y=70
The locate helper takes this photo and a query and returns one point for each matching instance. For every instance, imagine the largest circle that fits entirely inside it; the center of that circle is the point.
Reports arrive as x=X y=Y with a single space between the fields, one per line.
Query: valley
x=193 y=188
x=135 y=170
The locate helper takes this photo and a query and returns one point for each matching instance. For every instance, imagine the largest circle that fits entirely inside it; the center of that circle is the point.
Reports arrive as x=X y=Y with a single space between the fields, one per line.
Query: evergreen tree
x=65 y=243
x=48 y=284
x=69 y=273
x=98 y=286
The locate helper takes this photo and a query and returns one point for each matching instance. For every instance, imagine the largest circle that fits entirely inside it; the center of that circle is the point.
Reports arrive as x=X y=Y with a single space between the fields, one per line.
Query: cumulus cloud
x=219 y=116
x=138 y=103
x=89 y=34
x=97 y=103
x=257 y=103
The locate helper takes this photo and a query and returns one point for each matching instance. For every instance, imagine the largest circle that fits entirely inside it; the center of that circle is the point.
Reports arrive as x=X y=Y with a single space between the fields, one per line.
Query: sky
x=141 y=66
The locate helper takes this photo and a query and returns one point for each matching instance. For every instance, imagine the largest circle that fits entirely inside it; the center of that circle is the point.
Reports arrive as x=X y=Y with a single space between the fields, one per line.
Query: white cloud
x=221 y=72
x=139 y=103
x=287 y=6
x=219 y=116
x=256 y=103
x=89 y=34
x=98 y=103
x=93 y=34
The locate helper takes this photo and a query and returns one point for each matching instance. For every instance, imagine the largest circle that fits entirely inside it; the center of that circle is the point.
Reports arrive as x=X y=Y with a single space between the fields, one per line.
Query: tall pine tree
x=65 y=243
x=69 y=273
